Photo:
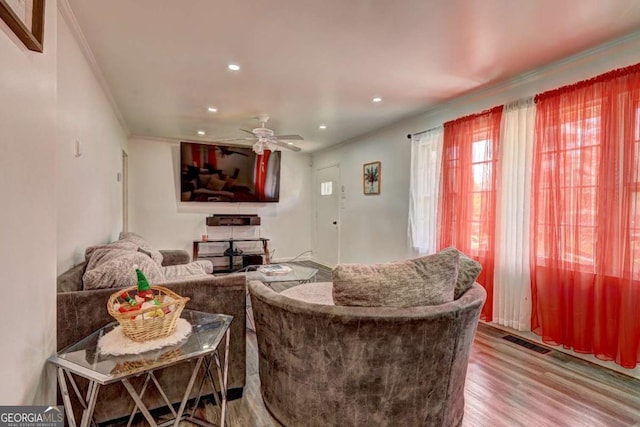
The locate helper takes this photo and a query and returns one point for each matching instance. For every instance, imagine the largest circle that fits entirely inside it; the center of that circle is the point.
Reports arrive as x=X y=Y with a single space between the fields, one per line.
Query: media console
x=232 y=248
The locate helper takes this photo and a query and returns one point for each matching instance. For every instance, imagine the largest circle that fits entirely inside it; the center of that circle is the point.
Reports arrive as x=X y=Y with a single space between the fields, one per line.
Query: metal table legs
x=211 y=358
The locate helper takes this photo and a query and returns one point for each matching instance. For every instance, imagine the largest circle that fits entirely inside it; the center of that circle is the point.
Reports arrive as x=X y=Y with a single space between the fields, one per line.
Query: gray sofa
x=80 y=312
x=327 y=365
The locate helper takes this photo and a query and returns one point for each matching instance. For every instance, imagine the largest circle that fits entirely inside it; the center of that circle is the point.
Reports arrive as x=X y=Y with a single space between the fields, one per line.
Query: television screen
x=227 y=173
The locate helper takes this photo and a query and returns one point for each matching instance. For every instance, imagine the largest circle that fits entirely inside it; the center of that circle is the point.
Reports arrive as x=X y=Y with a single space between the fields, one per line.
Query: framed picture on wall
x=371 y=178
x=26 y=20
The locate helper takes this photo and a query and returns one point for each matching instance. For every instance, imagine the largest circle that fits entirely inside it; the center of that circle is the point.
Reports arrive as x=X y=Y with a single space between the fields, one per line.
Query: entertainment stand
x=228 y=247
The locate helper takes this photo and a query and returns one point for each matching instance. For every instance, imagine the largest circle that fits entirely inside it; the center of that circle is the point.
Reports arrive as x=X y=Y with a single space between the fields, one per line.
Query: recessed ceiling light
x=201 y=132
x=377 y=99
x=234 y=67
x=322 y=126
x=212 y=109
x=290 y=143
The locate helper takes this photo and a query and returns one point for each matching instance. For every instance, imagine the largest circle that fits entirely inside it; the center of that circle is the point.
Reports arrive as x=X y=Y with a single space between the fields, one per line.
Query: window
x=326 y=188
x=467 y=213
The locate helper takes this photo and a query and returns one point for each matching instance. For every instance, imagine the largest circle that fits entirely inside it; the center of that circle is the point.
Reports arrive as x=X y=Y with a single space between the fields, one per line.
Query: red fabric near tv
x=262 y=161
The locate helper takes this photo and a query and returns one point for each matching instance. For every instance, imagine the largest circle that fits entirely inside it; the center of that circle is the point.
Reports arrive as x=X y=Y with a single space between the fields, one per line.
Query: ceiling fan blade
x=232 y=139
x=286 y=145
x=290 y=137
x=247 y=131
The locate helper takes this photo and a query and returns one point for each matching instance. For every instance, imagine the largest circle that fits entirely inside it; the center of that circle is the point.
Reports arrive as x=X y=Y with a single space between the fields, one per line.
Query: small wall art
x=26 y=20
x=371 y=178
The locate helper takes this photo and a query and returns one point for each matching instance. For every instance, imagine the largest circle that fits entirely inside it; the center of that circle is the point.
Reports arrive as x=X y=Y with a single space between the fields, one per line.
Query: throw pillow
x=468 y=272
x=229 y=183
x=194 y=268
x=141 y=242
x=428 y=280
x=215 y=184
x=113 y=268
x=120 y=245
x=203 y=180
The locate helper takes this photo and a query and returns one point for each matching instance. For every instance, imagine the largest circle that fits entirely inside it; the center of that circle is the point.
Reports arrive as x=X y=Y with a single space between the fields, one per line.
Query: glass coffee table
x=278 y=273
x=83 y=359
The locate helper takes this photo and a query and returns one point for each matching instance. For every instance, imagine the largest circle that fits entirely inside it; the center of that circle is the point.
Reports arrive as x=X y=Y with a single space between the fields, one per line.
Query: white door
x=327 y=210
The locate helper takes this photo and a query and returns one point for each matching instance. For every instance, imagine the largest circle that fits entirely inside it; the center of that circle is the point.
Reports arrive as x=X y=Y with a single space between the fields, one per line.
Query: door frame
x=316 y=192
x=125 y=191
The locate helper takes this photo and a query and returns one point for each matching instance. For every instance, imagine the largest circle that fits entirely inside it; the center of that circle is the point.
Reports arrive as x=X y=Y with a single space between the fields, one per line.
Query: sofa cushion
x=194 y=268
x=71 y=280
x=114 y=268
x=468 y=271
x=315 y=293
x=142 y=244
x=429 y=280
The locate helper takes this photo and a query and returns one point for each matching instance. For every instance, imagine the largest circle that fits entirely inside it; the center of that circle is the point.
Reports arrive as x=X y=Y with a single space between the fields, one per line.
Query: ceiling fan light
x=258 y=148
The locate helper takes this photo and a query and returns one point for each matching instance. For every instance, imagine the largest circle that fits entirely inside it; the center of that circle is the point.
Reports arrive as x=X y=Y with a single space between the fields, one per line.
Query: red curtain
x=202 y=154
x=467 y=213
x=260 y=175
x=585 y=254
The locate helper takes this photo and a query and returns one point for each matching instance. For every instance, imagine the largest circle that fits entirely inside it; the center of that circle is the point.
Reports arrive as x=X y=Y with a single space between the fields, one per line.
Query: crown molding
x=69 y=17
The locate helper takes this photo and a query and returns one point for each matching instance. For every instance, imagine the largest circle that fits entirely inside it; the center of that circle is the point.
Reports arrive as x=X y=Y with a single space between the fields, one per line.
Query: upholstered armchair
x=322 y=364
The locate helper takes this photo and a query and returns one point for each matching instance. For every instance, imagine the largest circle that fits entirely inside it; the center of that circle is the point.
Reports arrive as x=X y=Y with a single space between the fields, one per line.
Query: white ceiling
x=306 y=63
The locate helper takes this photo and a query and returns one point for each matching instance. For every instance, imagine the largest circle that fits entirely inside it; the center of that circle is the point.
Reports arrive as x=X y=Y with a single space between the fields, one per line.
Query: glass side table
x=297 y=273
x=82 y=359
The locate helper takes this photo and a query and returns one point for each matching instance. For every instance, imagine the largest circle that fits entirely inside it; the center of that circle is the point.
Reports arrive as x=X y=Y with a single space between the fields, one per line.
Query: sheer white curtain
x=511 y=286
x=426 y=164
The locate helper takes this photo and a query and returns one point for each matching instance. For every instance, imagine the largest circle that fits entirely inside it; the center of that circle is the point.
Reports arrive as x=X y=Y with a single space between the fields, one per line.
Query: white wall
x=54 y=204
x=28 y=216
x=90 y=197
x=157 y=213
x=374 y=228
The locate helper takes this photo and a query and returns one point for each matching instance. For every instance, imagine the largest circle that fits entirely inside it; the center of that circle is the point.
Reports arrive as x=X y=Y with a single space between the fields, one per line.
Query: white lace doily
x=117 y=343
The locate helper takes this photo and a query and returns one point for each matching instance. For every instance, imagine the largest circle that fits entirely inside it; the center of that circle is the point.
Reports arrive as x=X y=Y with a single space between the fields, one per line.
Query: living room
x=62 y=135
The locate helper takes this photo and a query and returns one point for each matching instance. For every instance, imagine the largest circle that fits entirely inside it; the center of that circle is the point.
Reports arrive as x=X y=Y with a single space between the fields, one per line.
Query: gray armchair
x=326 y=365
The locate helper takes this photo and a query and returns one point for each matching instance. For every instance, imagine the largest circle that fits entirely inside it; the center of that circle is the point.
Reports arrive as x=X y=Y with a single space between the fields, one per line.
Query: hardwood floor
x=507 y=385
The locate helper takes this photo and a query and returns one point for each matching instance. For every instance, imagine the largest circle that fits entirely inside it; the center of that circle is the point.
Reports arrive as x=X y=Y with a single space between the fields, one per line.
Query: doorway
x=327 y=250
x=125 y=191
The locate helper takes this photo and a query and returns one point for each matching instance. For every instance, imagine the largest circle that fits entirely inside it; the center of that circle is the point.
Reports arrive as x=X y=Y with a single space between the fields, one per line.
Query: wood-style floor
x=507 y=385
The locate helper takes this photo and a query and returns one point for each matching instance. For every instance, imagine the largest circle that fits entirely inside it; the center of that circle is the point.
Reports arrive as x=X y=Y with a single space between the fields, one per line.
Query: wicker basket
x=143 y=328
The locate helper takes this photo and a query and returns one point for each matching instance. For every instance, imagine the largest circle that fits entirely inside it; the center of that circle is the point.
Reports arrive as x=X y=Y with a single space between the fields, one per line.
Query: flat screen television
x=211 y=172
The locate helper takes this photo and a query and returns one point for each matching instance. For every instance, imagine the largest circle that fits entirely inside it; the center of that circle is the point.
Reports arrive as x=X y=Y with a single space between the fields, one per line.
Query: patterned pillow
x=429 y=280
x=468 y=272
x=114 y=268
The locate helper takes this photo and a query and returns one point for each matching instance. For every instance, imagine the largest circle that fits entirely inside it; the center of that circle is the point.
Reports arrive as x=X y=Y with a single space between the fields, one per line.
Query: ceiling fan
x=266 y=139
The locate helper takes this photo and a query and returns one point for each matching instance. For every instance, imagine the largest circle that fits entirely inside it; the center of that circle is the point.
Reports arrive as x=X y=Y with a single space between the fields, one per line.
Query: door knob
x=335 y=222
